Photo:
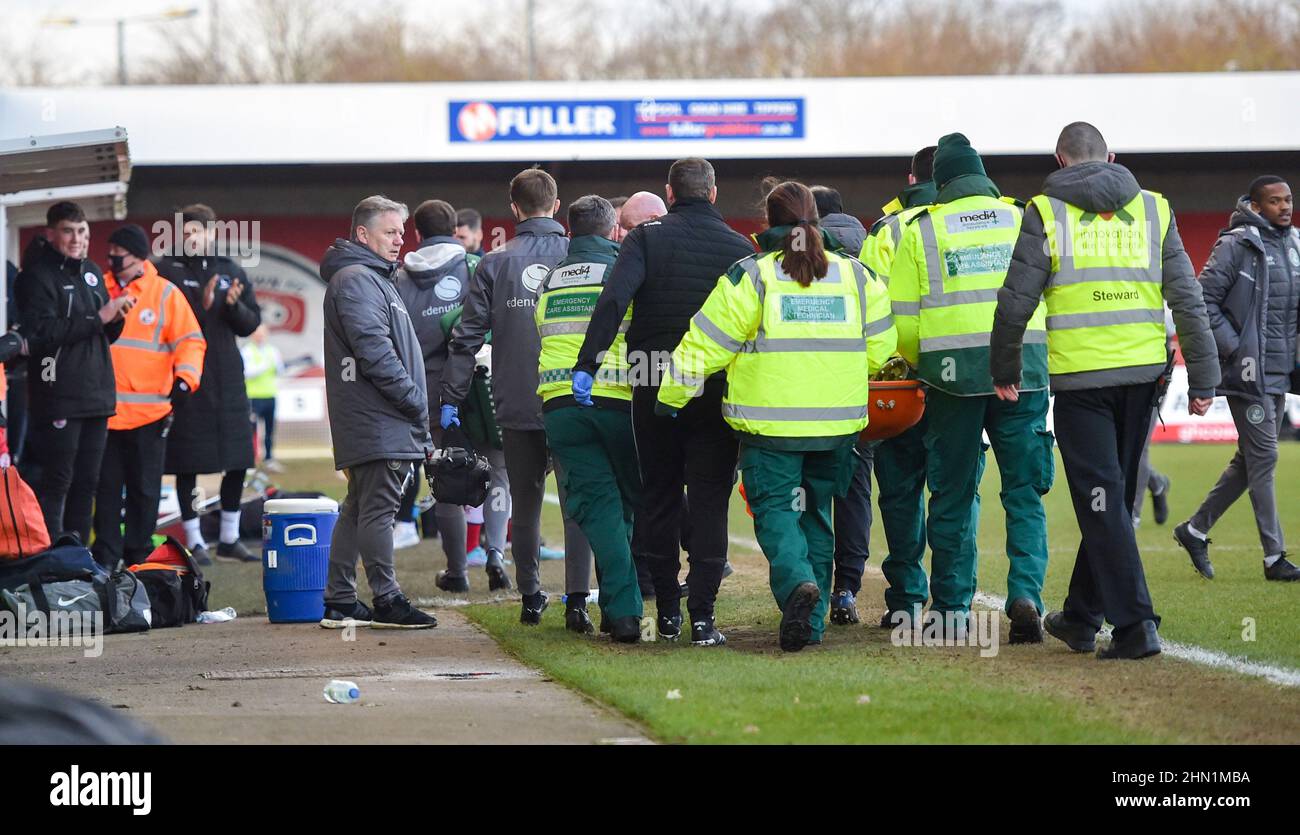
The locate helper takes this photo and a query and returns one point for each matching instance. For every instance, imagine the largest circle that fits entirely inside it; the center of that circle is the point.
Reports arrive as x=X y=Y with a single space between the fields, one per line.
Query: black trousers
x=63 y=463
x=263 y=408
x=696 y=451
x=853 y=524
x=232 y=490
x=1101 y=433
x=133 y=462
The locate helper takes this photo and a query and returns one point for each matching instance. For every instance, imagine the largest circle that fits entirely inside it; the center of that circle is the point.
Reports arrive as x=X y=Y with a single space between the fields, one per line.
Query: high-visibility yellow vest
x=951 y=263
x=565 y=302
x=1105 y=308
x=797 y=358
x=879 y=248
x=262 y=386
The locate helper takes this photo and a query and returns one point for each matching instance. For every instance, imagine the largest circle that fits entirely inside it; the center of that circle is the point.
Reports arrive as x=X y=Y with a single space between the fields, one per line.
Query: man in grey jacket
x=433 y=281
x=1252 y=291
x=1102 y=258
x=379 y=413
x=852 y=510
x=502 y=297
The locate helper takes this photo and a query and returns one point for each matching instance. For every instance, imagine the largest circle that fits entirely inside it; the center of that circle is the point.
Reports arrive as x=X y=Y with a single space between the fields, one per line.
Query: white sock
x=229 y=527
x=1194 y=532
x=1268 y=561
x=193 y=536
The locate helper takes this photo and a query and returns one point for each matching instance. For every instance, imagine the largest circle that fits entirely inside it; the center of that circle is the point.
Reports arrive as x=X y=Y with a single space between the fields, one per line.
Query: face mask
x=115 y=263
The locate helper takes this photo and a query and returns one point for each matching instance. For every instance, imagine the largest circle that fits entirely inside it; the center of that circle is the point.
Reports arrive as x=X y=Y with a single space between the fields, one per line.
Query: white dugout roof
x=509 y=121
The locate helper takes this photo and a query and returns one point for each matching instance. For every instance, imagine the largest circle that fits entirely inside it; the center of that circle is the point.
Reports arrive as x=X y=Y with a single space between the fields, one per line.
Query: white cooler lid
x=281 y=507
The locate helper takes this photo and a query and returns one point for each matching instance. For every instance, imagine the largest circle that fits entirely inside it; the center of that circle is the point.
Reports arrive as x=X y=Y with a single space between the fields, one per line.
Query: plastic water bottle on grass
x=342 y=692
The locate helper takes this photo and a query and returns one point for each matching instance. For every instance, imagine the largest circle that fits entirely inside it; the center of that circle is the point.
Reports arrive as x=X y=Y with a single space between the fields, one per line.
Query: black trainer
x=201 y=556
x=1196 y=548
x=844 y=608
x=625 y=630
x=577 y=620
x=534 y=604
x=1026 y=627
x=235 y=552
x=452 y=584
x=1282 y=570
x=343 y=615
x=396 y=612
x=1160 y=501
x=796 y=617
x=669 y=627
x=895 y=618
x=1139 y=641
x=1079 y=637
x=705 y=634
x=498 y=580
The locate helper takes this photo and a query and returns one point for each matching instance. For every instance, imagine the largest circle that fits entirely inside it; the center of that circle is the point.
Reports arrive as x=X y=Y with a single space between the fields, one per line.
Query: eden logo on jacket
x=109 y=788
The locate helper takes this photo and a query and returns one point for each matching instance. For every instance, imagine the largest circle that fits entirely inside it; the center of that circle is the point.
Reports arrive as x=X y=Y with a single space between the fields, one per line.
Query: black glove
x=181 y=392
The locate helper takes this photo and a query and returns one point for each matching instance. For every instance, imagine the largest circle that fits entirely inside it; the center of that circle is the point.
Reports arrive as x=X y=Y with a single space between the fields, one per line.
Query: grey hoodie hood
x=436 y=258
x=1093 y=186
x=1244 y=215
x=344 y=253
x=847 y=230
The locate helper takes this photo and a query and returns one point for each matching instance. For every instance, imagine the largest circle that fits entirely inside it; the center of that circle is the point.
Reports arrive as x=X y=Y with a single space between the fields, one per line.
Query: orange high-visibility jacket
x=160 y=342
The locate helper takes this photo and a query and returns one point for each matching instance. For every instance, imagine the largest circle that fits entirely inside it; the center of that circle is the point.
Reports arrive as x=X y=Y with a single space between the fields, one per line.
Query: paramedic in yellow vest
x=588 y=417
x=900 y=461
x=799 y=330
x=158 y=363
x=1107 y=257
x=951 y=262
x=262 y=369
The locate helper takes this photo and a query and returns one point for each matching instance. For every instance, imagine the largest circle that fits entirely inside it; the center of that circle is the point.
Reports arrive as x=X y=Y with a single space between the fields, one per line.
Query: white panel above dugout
x=859 y=117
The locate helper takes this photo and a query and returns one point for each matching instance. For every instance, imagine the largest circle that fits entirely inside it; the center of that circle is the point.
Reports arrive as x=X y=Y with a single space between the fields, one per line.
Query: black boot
x=796 y=617
x=1026 y=627
x=1079 y=637
x=1138 y=641
x=625 y=630
x=1197 y=549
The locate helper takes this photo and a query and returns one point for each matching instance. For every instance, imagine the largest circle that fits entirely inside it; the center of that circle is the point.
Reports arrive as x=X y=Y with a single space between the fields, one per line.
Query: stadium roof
x=783 y=118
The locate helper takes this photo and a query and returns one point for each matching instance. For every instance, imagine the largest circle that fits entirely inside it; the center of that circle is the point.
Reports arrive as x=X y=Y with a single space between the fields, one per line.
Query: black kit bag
x=458 y=474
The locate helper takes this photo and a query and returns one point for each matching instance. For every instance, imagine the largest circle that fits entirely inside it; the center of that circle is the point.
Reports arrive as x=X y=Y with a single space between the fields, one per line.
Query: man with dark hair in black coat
x=668 y=267
x=212 y=432
x=68 y=321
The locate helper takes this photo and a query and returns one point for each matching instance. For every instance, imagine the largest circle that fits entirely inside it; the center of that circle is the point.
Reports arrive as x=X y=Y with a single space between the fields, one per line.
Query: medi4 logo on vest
x=625 y=119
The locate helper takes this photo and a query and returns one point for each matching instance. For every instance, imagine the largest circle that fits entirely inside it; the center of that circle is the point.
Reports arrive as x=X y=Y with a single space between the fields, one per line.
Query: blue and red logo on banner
x=625 y=119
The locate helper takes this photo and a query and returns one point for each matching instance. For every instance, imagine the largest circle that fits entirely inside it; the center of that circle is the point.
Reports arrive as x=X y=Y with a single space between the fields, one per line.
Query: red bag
x=22 y=525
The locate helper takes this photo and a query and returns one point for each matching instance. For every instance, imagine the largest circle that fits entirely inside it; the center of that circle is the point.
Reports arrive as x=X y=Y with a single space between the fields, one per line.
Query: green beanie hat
x=955 y=157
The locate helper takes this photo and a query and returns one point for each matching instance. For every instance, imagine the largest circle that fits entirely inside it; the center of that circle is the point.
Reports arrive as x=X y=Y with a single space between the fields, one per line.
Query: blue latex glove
x=582 y=382
x=448 y=416
x=664 y=410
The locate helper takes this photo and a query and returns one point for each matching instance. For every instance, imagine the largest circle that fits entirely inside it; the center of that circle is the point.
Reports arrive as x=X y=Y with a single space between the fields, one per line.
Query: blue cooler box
x=295 y=557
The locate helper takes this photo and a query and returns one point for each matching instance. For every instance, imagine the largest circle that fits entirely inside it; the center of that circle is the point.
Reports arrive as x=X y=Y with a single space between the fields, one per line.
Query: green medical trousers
x=601 y=485
x=790 y=493
x=900 y=474
x=1022 y=445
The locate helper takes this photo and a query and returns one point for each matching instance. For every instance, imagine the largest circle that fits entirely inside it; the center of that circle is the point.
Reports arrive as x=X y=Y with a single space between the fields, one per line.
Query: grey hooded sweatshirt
x=433 y=280
x=1099 y=187
x=847 y=231
x=374 y=374
x=502 y=298
x=1252 y=291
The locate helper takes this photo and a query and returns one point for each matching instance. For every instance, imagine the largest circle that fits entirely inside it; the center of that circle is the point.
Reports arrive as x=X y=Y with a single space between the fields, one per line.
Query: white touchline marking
x=1285 y=676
